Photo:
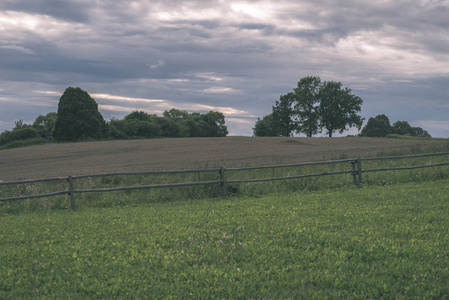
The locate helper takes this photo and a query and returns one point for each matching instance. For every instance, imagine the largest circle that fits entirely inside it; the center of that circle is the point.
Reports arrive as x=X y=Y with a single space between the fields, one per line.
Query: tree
x=379 y=126
x=315 y=105
x=283 y=116
x=338 y=108
x=306 y=105
x=45 y=124
x=265 y=126
x=137 y=124
x=176 y=114
x=139 y=115
x=402 y=128
x=78 y=117
x=419 y=132
x=19 y=124
x=174 y=123
x=212 y=124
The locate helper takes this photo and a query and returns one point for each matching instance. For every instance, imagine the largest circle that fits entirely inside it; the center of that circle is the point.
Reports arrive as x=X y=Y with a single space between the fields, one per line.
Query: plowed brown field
x=190 y=153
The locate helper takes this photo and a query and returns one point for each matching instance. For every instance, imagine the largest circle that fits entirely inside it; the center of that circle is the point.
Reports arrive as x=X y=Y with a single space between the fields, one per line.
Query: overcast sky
x=236 y=57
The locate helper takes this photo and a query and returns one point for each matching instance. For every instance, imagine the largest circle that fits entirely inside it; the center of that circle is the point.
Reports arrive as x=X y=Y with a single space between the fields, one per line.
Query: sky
x=236 y=57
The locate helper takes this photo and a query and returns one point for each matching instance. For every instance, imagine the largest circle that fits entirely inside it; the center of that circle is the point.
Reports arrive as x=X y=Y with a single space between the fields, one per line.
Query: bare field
x=192 y=153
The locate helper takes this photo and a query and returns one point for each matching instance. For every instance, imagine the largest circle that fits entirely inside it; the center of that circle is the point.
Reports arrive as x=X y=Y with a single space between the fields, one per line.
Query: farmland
x=302 y=239
x=161 y=154
x=375 y=242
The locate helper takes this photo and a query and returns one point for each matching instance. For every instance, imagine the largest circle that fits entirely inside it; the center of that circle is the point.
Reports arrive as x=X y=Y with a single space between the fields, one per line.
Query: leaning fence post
x=71 y=193
x=223 y=183
x=359 y=171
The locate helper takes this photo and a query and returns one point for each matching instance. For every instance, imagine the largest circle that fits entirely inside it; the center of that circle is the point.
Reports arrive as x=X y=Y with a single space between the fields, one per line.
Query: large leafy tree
x=306 y=105
x=338 y=108
x=379 y=126
x=78 y=117
x=283 y=116
x=212 y=124
x=313 y=106
x=402 y=128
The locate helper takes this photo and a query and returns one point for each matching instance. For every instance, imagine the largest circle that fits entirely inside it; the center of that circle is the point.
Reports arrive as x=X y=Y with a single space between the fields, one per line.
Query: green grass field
x=386 y=241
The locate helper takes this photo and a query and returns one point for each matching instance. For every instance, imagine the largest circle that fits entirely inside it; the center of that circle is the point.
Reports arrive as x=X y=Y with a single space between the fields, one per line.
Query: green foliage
x=45 y=124
x=173 y=123
x=139 y=115
x=338 y=108
x=78 y=117
x=379 y=126
x=23 y=136
x=283 y=122
x=20 y=124
x=26 y=135
x=212 y=124
x=313 y=106
x=23 y=143
x=370 y=243
x=401 y=128
x=138 y=124
x=419 y=132
x=133 y=128
x=306 y=105
x=265 y=126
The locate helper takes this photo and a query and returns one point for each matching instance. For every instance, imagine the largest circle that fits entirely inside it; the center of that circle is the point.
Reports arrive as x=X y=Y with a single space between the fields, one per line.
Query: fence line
x=147 y=173
x=356 y=171
x=292 y=165
x=406 y=168
x=288 y=177
x=406 y=156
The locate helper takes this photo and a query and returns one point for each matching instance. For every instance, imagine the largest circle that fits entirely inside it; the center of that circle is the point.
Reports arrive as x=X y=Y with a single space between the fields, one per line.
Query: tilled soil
x=191 y=153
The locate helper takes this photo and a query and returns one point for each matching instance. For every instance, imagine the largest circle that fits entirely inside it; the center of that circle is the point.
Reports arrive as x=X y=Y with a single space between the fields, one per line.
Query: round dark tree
x=78 y=117
x=379 y=126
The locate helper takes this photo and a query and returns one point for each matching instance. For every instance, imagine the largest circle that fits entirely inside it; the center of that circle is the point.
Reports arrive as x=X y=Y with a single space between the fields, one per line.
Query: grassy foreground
x=389 y=241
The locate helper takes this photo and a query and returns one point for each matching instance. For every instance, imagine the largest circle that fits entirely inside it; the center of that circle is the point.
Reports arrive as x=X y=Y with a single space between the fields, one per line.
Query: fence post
x=71 y=193
x=223 y=183
x=359 y=171
x=354 y=172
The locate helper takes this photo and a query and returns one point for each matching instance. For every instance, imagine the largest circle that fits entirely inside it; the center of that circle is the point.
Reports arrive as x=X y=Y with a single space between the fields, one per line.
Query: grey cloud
x=205 y=53
x=64 y=10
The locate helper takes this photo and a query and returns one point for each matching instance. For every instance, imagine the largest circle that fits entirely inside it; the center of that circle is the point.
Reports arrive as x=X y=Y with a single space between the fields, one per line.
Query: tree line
x=78 y=118
x=379 y=126
x=315 y=106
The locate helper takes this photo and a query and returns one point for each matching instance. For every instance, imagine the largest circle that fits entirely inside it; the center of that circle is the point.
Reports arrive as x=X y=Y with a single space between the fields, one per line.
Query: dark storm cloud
x=236 y=56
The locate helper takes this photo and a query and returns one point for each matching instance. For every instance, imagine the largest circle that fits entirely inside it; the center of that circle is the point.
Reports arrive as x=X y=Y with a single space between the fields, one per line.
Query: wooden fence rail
x=356 y=171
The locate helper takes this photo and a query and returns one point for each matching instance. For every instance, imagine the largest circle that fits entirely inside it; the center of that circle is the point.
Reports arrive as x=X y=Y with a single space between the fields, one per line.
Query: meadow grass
x=376 y=242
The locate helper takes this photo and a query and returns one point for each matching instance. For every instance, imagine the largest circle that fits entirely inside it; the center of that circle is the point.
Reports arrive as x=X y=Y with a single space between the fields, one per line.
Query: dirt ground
x=191 y=153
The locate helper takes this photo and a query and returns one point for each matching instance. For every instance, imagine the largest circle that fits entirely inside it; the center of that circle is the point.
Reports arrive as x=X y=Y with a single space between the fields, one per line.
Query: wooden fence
x=356 y=171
